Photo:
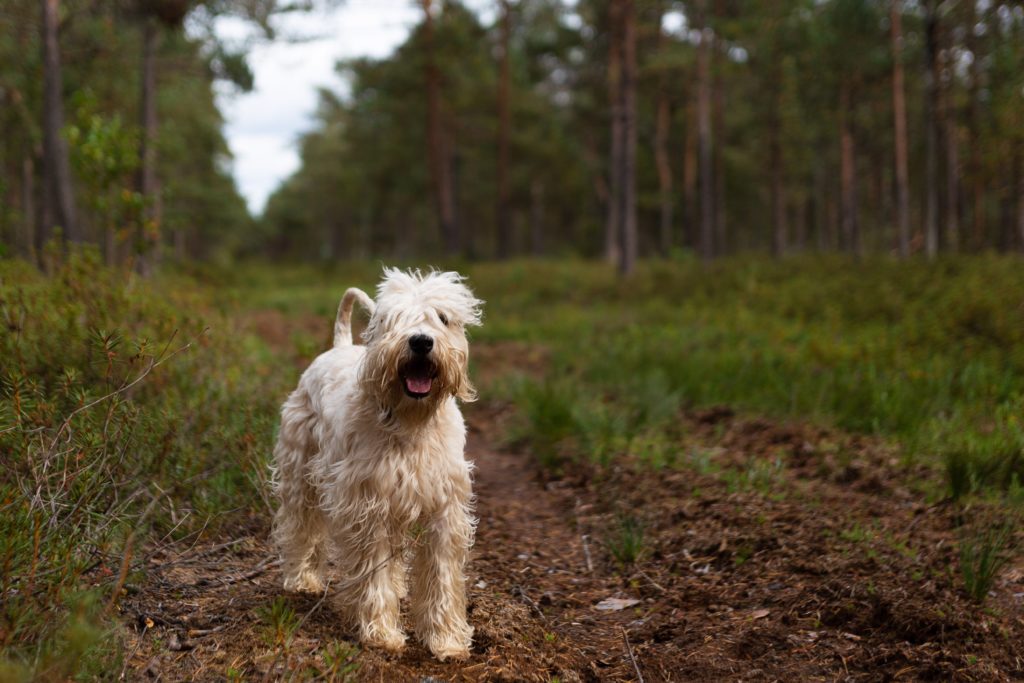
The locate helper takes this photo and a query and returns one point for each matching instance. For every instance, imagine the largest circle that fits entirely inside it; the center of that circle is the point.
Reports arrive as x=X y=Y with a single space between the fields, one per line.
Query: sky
x=263 y=126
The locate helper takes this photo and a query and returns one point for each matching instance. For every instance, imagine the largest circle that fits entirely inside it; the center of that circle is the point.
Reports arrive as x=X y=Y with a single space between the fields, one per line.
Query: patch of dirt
x=815 y=561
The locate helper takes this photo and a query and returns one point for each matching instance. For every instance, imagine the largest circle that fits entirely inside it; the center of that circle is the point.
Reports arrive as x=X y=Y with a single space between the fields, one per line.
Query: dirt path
x=769 y=552
x=202 y=614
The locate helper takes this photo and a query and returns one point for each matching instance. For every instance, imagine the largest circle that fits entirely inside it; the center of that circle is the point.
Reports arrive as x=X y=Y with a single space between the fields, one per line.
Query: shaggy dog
x=369 y=465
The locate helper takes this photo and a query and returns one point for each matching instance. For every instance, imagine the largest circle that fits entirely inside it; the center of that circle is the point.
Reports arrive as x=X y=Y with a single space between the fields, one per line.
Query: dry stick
x=127 y=560
x=128 y=659
x=652 y=581
x=629 y=650
x=518 y=590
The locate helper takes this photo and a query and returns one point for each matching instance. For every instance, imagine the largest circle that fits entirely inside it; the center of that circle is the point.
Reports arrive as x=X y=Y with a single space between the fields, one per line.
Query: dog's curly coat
x=370 y=456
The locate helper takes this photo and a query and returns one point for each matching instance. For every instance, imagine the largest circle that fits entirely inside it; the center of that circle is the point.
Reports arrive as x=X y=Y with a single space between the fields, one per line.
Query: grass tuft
x=982 y=557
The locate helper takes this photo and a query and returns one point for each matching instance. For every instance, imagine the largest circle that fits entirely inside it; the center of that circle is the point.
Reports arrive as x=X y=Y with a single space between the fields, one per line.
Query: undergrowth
x=929 y=355
x=136 y=414
x=132 y=415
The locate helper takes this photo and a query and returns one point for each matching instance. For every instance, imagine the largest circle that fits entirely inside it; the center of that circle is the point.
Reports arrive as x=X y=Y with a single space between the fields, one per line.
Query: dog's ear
x=461 y=387
x=465 y=392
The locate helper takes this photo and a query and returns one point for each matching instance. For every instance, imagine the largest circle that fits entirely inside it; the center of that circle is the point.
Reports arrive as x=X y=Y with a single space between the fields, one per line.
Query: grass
x=132 y=414
x=982 y=555
x=139 y=413
x=930 y=356
x=626 y=541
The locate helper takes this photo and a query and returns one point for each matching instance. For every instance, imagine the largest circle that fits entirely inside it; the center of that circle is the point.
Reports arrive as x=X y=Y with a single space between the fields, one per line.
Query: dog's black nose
x=421 y=344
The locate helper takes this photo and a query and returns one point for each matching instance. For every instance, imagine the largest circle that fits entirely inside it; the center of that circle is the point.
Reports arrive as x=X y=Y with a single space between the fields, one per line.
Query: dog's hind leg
x=298 y=529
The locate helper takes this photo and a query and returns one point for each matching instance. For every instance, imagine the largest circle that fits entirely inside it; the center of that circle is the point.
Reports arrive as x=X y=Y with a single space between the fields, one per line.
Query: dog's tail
x=343 y=323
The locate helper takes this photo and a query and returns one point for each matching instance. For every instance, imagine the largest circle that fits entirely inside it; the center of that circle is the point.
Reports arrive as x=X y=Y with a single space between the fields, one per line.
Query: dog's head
x=416 y=348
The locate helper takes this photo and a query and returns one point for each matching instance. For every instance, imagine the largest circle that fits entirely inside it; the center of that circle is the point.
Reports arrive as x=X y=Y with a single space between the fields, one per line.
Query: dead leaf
x=759 y=614
x=615 y=604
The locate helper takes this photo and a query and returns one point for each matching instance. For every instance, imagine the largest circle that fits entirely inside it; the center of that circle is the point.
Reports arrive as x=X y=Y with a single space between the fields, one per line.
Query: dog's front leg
x=439 y=585
x=371 y=551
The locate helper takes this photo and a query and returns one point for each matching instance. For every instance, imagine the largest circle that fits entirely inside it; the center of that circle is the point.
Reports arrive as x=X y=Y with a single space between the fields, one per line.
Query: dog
x=369 y=465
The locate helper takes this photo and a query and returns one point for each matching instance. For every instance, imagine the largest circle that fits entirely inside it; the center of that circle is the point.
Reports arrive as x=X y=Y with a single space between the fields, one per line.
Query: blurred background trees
x=604 y=128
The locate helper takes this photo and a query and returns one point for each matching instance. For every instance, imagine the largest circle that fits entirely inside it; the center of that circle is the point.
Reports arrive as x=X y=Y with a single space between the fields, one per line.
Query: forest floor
x=778 y=551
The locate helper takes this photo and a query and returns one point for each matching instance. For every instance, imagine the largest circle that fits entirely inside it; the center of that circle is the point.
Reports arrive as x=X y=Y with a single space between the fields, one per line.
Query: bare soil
x=819 y=559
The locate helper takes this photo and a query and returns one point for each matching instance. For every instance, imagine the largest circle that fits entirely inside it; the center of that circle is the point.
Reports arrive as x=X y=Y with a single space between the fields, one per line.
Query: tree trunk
x=438 y=153
x=627 y=215
x=145 y=181
x=931 y=126
x=707 y=214
x=616 y=154
x=949 y=129
x=690 y=175
x=850 y=222
x=537 y=218
x=718 y=136
x=974 y=132
x=899 y=111
x=504 y=219
x=27 y=238
x=775 y=165
x=59 y=199
x=663 y=121
x=1020 y=195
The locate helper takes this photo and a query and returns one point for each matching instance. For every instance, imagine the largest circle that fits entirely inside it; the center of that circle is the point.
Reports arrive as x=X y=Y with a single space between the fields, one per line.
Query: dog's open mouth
x=418 y=377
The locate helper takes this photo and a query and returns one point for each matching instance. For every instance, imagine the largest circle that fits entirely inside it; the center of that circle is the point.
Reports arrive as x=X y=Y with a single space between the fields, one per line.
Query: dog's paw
x=452 y=645
x=455 y=654
x=304 y=582
x=390 y=639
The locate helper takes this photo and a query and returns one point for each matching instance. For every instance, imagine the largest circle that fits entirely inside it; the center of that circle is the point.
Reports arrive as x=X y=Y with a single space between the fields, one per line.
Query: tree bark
x=849 y=219
x=59 y=200
x=663 y=121
x=690 y=214
x=27 y=239
x=931 y=125
x=145 y=182
x=438 y=153
x=504 y=219
x=974 y=132
x=776 y=169
x=616 y=153
x=718 y=136
x=707 y=215
x=627 y=214
x=951 y=134
x=1020 y=196
x=537 y=217
x=899 y=111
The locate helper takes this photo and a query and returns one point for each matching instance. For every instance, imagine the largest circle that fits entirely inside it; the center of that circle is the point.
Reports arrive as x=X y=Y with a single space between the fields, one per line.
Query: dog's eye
x=443 y=318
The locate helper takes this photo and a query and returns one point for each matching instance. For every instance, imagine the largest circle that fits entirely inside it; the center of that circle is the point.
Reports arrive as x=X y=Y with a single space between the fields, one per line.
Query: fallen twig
x=629 y=650
x=518 y=591
x=200 y=632
x=263 y=566
x=652 y=581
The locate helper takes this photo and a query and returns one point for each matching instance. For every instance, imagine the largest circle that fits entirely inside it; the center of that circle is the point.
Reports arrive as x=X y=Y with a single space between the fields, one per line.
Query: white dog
x=369 y=464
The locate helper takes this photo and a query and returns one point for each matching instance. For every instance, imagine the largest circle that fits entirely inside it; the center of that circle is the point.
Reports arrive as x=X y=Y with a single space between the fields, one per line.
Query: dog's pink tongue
x=418 y=385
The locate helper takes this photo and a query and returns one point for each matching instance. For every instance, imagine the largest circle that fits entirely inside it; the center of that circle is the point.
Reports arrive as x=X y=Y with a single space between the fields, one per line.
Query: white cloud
x=263 y=125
